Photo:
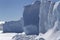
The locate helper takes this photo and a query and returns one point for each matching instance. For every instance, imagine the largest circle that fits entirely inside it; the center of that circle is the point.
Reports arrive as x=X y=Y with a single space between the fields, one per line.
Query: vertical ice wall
x=43 y=16
x=13 y=27
x=54 y=32
x=31 y=18
x=56 y=13
x=53 y=23
x=50 y=16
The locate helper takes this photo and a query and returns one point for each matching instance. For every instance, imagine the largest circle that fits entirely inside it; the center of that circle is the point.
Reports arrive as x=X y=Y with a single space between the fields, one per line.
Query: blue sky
x=11 y=10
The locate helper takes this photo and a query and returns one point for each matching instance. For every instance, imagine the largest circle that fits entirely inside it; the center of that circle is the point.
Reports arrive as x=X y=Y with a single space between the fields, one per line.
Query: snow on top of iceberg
x=2 y=22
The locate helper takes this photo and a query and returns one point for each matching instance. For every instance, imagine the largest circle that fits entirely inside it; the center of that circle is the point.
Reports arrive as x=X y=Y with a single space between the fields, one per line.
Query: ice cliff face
x=43 y=16
x=46 y=15
x=13 y=27
x=31 y=18
x=50 y=16
x=56 y=13
x=53 y=33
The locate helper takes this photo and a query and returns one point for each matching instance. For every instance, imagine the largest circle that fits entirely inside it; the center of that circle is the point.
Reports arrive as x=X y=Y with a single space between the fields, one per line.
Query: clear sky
x=13 y=9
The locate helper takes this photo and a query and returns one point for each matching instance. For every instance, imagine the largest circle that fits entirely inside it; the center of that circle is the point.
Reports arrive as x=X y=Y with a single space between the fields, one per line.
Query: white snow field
x=6 y=36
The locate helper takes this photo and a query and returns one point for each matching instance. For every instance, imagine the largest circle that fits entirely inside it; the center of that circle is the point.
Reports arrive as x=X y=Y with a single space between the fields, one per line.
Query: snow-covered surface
x=24 y=37
x=6 y=36
x=2 y=22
